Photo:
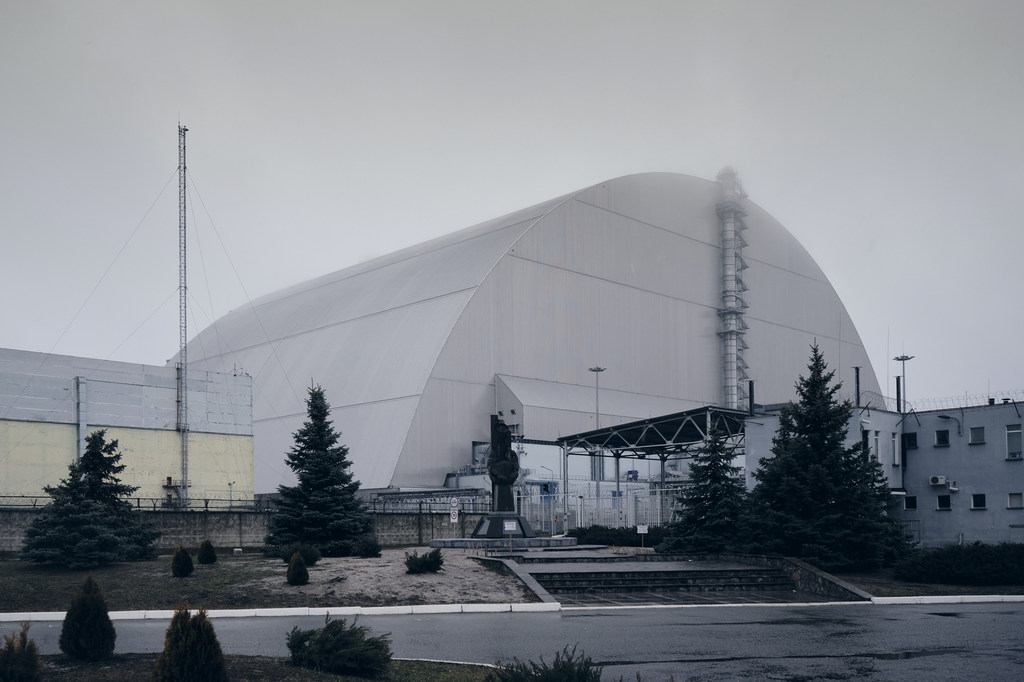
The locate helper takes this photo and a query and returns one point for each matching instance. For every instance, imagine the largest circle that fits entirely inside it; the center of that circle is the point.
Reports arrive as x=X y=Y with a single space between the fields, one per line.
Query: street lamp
x=903 y=359
x=959 y=429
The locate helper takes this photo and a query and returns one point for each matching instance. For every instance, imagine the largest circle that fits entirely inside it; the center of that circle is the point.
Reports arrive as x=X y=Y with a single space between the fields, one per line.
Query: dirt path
x=384 y=582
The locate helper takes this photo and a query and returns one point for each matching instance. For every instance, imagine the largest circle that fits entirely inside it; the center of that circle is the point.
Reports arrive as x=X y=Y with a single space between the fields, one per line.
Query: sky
x=886 y=136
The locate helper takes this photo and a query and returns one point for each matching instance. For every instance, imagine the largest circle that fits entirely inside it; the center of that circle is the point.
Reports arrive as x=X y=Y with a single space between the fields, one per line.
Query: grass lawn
x=231 y=583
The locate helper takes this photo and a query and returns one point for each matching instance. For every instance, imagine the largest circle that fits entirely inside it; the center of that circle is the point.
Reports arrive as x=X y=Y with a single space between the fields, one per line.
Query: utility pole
x=182 y=321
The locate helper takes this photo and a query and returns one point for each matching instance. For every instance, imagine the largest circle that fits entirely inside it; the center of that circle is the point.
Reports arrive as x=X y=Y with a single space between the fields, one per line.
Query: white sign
x=454 y=502
x=641 y=529
x=510 y=526
x=455 y=515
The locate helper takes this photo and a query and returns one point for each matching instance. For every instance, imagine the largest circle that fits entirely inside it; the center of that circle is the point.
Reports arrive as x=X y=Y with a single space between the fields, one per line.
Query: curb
x=533 y=607
x=952 y=599
x=164 y=614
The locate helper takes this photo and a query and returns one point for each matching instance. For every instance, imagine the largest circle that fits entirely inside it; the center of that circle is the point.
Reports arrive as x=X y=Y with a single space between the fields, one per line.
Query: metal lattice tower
x=182 y=321
x=732 y=312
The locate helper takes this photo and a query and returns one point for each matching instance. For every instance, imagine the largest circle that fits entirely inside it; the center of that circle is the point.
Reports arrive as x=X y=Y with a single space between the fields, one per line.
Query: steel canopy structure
x=671 y=435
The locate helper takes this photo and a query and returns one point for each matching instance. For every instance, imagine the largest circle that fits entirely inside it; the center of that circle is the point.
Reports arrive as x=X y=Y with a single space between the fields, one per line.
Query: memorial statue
x=503 y=463
x=503 y=469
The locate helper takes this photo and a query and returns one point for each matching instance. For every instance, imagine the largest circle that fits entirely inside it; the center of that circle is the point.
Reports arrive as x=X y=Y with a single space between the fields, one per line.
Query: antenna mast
x=182 y=322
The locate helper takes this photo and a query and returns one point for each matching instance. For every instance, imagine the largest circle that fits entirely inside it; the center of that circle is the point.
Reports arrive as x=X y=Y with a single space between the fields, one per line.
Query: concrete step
x=663 y=581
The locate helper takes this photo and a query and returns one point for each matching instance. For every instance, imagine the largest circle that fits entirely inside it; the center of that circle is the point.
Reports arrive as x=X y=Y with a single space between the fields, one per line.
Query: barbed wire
x=879 y=401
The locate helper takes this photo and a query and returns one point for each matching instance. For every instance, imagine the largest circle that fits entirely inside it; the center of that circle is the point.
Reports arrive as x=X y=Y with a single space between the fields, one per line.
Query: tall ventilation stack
x=733 y=309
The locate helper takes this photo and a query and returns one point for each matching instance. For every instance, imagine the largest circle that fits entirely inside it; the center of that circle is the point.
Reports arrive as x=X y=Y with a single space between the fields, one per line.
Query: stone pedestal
x=493 y=526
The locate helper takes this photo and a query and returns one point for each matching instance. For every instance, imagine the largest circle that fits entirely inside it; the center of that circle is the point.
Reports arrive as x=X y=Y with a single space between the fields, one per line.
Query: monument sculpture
x=503 y=469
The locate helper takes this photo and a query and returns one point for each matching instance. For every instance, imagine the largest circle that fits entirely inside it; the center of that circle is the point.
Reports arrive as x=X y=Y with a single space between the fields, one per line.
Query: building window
x=1015 y=501
x=942 y=438
x=977 y=435
x=895 y=451
x=978 y=501
x=943 y=502
x=909 y=441
x=1013 y=444
x=910 y=502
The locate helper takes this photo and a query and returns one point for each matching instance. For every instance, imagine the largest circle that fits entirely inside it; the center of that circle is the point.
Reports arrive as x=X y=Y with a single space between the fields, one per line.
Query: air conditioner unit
x=937 y=480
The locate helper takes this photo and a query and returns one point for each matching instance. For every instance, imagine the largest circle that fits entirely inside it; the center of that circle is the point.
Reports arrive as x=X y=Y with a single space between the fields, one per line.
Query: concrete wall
x=247 y=529
x=38 y=454
x=49 y=404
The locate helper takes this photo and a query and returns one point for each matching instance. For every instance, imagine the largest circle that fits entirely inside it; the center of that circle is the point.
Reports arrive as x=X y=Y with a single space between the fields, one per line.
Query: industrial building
x=957 y=474
x=646 y=295
x=50 y=403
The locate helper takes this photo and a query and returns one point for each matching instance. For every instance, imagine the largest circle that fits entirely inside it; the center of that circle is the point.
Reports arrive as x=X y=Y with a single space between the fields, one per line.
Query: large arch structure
x=680 y=286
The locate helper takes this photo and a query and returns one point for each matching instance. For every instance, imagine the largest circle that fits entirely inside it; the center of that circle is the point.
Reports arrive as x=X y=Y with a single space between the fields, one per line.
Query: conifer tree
x=322 y=510
x=88 y=521
x=711 y=507
x=191 y=650
x=87 y=632
x=817 y=498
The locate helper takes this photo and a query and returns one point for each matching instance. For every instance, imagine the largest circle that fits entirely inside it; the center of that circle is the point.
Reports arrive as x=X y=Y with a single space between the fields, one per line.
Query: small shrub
x=87 y=632
x=341 y=649
x=566 y=667
x=973 y=564
x=297 y=573
x=430 y=562
x=191 y=650
x=181 y=564
x=19 y=659
x=366 y=546
x=207 y=554
x=310 y=554
x=618 y=537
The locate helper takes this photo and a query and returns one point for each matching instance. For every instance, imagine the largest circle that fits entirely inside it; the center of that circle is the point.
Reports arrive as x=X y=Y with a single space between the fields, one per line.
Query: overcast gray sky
x=886 y=136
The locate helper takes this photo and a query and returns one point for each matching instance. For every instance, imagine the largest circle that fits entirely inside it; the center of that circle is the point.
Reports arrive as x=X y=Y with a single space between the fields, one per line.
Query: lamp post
x=903 y=360
x=596 y=463
x=546 y=498
x=230 y=496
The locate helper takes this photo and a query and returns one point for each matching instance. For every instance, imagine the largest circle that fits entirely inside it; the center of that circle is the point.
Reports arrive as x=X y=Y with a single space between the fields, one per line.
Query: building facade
x=957 y=474
x=49 y=404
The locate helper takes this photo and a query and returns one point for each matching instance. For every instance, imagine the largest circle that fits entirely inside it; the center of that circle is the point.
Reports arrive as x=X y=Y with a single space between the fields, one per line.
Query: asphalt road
x=847 y=642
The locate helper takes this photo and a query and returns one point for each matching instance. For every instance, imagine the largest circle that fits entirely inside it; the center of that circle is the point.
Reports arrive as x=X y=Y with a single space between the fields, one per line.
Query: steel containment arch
x=681 y=287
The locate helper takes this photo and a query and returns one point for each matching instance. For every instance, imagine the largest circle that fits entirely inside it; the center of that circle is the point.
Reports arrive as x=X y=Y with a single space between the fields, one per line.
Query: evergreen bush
x=567 y=667
x=617 y=537
x=341 y=649
x=88 y=633
x=207 y=554
x=366 y=546
x=310 y=554
x=973 y=564
x=181 y=564
x=430 y=562
x=19 y=659
x=297 y=573
x=191 y=650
